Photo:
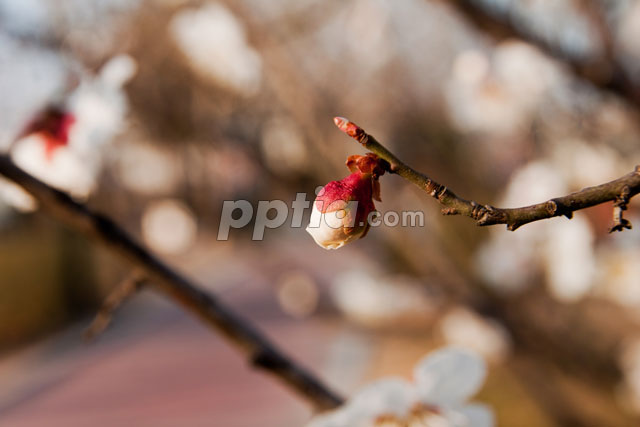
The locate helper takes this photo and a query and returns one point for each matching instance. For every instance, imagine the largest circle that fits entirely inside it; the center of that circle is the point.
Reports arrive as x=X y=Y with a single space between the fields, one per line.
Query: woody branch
x=619 y=191
x=257 y=348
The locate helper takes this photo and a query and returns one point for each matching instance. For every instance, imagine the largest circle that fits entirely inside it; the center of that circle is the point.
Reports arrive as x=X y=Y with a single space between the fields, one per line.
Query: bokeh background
x=180 y=105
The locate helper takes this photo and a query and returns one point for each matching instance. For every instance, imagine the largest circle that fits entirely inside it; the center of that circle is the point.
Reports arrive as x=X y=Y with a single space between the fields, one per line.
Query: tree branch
x=619 y=190
x=123 y=291
x=258 y=349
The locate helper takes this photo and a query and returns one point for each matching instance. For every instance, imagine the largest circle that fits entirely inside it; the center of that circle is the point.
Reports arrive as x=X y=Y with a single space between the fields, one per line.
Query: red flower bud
x=342 y=208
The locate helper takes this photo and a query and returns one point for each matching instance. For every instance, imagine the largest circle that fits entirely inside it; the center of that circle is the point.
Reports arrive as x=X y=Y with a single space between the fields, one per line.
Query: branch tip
x=350 y=128
x=340 y=121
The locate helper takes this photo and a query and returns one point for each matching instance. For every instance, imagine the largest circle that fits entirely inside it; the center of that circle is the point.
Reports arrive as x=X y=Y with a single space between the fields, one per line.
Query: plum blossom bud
x=341 y=210
x=53 y=125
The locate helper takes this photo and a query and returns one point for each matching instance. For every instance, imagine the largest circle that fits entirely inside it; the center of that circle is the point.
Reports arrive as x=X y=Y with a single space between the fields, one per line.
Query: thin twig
x=240 y=333
x=620 y=189
x=123 y=291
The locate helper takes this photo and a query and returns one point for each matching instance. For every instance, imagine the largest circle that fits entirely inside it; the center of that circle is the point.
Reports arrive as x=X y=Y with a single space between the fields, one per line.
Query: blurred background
x=171 y=107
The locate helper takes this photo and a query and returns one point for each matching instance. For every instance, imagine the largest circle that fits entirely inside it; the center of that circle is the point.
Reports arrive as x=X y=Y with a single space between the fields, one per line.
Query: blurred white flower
x=32 y=17
x=471 y=67
x=443 y=382
x=215 y=42
x=628 y=34
x=146 y=169
x=498 y=97
x=45 y=19
x=283 y=146
x=98 y=107
x=449 y=377
x=532 y=183
x=30 y=77
x=563 y=250
x=482 y=106
x=525 y=72
x=508 y=261
x=583 y=164
x=64 y=170
x=297 y=293
x=13 y=195
x=381 y=301
x=463 y=328
x=389 y=396
x=569 y=258
x=617 y=272
x=169 y=227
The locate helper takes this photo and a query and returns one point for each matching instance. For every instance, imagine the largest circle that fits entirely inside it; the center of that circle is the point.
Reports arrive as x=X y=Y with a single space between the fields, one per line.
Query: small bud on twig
x=350 y=128
x=619 y=190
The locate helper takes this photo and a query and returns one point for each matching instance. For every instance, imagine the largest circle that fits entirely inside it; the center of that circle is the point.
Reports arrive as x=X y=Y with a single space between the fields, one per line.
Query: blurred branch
x=604 y=72
x=259 y=350
x=619 y=191
x=123 y=291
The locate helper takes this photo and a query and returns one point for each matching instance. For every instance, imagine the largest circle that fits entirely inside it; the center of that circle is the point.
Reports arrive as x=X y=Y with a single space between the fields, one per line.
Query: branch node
x=480 y=213
x=485 y=215
x=551 y=207
x=434 y=192
x=441 y=192
x=619 y=206
x=386 y=166
x=449 y=211
x=556 y=209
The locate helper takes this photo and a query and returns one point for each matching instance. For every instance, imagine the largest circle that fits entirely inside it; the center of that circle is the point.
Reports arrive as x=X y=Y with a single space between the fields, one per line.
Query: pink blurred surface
x=166 y=370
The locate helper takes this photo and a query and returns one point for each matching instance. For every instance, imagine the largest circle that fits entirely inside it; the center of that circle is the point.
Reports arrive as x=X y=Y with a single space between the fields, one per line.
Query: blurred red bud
x=53 y=125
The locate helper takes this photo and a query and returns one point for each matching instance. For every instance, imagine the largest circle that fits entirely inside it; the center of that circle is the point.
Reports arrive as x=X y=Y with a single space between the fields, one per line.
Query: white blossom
x=443 y=382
